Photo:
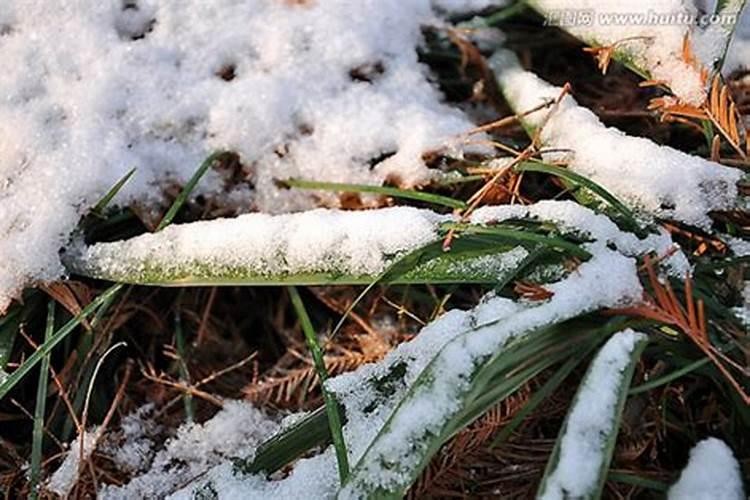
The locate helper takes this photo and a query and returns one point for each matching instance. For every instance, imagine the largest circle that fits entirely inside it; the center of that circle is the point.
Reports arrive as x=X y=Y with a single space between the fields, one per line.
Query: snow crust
x=658 y=180
x=591 y=421
x=307 y=89
x=712 y=473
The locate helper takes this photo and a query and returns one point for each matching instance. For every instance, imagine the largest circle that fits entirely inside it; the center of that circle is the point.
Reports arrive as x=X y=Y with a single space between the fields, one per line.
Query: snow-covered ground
x=308 y=89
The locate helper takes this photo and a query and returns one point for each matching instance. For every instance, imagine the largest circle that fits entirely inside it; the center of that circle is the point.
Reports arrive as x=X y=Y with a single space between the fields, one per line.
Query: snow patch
x=712 y=473
x=236 y=430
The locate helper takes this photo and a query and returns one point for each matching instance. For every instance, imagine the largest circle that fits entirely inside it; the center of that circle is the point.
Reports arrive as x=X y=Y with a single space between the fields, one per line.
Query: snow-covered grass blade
x=579 y=463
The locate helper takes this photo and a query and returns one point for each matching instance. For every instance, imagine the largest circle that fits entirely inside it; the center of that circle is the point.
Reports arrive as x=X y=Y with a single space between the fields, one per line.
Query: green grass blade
x=579 y=180
x=8 y=331
x=669 y=377
x=105 y=201
x=643 y=482
x=522 y=236
x=189 y=187
x=187 y=398
x=558 y=476
x=37 y=439
x=408 y=194
x=311 y=431
x=331 y=405
x=474 y=259
x=60 y=335
x=723 y=8
x=506 y=13
x=549 y=387
x=489 y=380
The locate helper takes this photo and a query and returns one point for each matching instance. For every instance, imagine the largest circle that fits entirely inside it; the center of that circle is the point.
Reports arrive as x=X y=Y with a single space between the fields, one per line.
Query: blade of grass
x=608 y=436
x=505 y=13
x=331 y=405
x=8 y=331
x=37 y=438
x=181 y=353
x=540 y=395
x=491 y=378
x=409 y=194
x=60 y=335
x=579 y=180
x=189 y=187
x=312 y=431
x=643 y=482
x=669 y=377
x=521 y=236
x=105 y=201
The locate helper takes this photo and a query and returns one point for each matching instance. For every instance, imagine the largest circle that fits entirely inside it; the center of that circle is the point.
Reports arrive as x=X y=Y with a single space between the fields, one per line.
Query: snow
x=61 y=481
x=659 y=180
x=572 y=217
x=607 y=280
x=712 y=473
x=738 y=55
x=653 y=43
x=359 y=243
x=235 y=431
x=108 y=86
x=445 y=351
x=590 y=421
x=132 y=448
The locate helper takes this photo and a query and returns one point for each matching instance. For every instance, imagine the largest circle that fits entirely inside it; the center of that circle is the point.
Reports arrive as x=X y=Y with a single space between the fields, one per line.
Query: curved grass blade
x=408 y=194
x=11 y=380
x=331 y=405
x=489 y=379
x=522 y=236
x=579 y=180
x=579 y=463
